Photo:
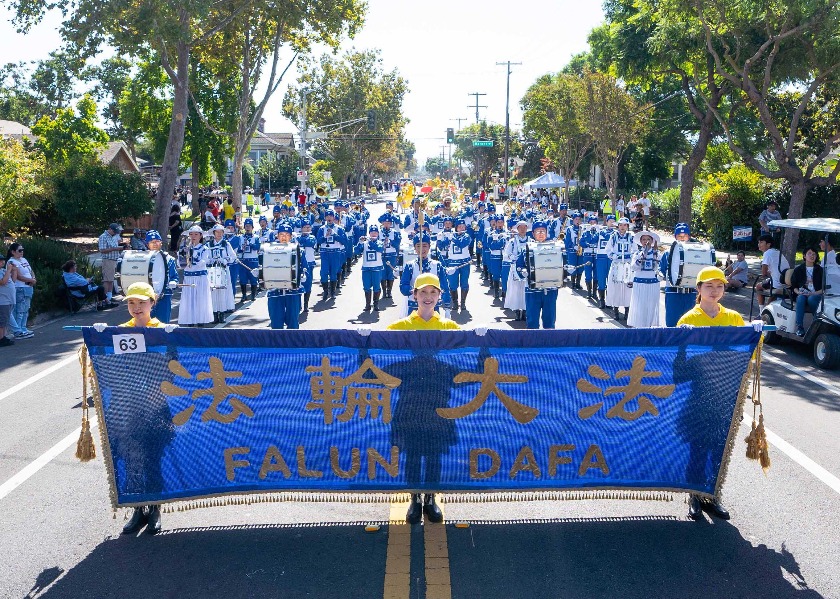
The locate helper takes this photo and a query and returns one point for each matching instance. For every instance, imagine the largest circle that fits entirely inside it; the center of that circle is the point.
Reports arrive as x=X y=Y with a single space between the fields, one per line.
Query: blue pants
x=245 y=275
x=602 y=269
x=307 y=284
x=233 y=269
x=331 y=263
x=677 y=304
x=505 y=273
x=805 y=303
x=461 y=278
x=572 y=259
x=372 y=279
x=494 y=266
x=536 y=301
x=162 y=309
x=284 y=310
x=388 y=273
x=588 y=268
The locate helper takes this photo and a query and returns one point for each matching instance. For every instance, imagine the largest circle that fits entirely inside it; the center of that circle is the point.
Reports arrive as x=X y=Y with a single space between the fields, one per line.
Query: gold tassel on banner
x=757 y=446
x=85 y=449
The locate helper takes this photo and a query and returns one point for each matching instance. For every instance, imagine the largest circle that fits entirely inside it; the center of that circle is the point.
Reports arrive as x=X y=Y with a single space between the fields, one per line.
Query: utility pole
x=476 y=94
x=303 y=132
x=459 y=123
x=507 y=120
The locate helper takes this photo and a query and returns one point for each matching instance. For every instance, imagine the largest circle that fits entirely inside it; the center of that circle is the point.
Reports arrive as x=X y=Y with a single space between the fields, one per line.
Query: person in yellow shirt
x=711 y=285
x=141 y=299
x=426 y=293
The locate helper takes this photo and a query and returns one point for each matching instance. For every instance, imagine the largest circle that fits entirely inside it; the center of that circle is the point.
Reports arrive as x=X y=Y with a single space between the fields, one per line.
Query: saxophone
x=578 y=247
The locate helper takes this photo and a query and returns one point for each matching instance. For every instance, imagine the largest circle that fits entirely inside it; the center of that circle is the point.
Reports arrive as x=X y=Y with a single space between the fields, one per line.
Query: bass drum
x=686 y=259
x=142 y=267
x=544 y=262
x=281 y=266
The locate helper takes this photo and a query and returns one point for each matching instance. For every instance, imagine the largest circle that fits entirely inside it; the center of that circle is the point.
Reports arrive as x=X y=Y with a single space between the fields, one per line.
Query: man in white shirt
x=831 y=267
x=772 y=265
x=644 y=201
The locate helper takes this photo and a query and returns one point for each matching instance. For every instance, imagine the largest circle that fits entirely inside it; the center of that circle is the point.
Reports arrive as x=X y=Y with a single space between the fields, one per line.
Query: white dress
x=196 y=307
x=644 y=301
x=515 y=296
x=222 y=255
x=618 y=250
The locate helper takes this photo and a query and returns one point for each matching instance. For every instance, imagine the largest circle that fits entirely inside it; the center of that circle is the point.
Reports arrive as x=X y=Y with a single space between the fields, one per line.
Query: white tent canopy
x=548 y=180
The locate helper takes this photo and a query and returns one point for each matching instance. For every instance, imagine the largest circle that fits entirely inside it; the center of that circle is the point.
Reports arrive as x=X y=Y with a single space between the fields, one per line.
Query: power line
x=476 y=94
x=507 y=118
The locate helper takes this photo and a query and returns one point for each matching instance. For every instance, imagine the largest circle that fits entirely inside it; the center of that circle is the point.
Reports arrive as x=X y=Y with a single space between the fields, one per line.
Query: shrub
x=46 y=256
x=734 y=198
x=820 y=202
x=665 y=209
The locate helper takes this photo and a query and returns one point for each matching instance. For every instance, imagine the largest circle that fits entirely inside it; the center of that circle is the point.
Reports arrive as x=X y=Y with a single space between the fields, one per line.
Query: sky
x=445 y=49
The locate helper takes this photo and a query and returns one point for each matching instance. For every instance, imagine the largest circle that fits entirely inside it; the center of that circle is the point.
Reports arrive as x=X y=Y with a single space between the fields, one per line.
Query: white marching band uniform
x=196 y=307
x=222 y=255
x=619 y=251
x=644 y=300
x=516 y=283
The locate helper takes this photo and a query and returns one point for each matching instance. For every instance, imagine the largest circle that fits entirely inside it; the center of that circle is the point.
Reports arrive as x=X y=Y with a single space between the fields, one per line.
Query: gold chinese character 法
x=327 y=389
x=490 y=380
x=219 y=390
x=634 y=389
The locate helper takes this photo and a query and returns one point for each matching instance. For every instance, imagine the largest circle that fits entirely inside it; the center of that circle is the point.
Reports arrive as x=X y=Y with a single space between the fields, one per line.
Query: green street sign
x=481 y=143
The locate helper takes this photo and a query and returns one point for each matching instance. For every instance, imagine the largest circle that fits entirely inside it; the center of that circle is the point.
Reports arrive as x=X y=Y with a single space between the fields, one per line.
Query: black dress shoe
x=431 y=509
x=137 y=521
x=695 y=511
x=714 y=508
x=154 y=520
x=415 y=509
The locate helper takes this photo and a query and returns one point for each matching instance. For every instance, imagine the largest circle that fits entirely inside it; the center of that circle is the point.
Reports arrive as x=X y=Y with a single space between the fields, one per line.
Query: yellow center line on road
x=438 y=582
x=398 y=555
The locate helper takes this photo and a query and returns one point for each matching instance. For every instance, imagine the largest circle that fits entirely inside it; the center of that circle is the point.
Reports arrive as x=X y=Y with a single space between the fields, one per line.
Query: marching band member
x=423 y=264
x=516 y=283
x=458 y=265
x=266 y=235
x=619 y=252
x=602 y=259
x=589 y=242
x=221 y=255
x=391 y=240
x=196 y=307
x=644 y=298
x=284 y=304
x=331 y=241
x=233 y=239
x=371 y=250
x=538 y=301
x=308 y=242
x=249 y=254
x=678 y=300
x=561 y=222
x=485 y=228
x=347 y=222
x=162 y=307
x=412 y=218
x=574 y=250
x=277 y=219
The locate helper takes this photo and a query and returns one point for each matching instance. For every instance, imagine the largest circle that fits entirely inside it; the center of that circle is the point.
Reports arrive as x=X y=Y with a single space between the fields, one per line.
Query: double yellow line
x=398 y=558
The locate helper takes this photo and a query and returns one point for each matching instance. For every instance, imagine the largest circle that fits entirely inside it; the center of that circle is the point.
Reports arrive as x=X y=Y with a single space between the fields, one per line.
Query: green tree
x=112 y=77
x=22 y=185
x=71 y=135
x=484 y=161
x=91 y=194
x=279 y=173
x=436 y=165
x=17 y=102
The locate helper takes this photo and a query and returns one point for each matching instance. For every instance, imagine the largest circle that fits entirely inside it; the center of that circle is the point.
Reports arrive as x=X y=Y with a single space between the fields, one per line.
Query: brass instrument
x=321 y=192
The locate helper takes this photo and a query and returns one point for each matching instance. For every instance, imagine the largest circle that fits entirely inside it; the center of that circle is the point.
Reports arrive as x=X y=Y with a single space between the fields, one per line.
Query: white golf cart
x=822 y=329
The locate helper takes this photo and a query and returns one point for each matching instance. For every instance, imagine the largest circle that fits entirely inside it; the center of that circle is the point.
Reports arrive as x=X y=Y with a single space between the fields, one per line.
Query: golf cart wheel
x=770 y=337
x=827 y=351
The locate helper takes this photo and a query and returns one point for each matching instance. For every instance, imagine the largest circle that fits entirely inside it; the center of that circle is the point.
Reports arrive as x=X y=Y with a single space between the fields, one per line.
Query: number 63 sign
x=129 y=344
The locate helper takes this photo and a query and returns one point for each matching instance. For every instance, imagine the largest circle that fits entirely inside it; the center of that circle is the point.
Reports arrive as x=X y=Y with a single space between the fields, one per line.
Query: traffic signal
x=450 y=136
x=371 y=120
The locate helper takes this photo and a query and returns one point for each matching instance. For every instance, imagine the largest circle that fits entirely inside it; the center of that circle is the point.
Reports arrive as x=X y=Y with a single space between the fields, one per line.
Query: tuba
x=321 y=192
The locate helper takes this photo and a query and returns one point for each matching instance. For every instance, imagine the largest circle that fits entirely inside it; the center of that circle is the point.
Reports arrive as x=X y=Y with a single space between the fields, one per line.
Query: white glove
x=173 y=284
x=255 y=272
x=570 y=269
x=363 y=331
x=480 y=331
x=451 y=270
x=758 y=325
x=303 y=276
x=99 y=326
x=686 y=326
x=170 y=327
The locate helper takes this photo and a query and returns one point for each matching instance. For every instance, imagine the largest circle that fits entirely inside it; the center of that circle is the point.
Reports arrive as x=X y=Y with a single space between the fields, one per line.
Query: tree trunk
x=175 y=143
x=798 y=191
x=196 y=205
x=236 y=178
x=689 y=170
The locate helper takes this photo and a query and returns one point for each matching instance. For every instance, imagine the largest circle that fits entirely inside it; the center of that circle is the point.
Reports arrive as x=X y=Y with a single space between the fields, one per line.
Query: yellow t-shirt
x=153 y=323
x=413 y=322
x=698 y=318
x=230 y=211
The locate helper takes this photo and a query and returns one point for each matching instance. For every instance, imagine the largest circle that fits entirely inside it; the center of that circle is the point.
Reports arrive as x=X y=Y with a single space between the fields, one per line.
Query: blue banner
x=199 y=413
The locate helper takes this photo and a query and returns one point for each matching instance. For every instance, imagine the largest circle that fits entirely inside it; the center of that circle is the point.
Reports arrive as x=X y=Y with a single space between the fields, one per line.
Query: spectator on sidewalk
x=644 y=202
x=24 y=289
x=737 y=272
x=7 y=299
x=137 y=241
x=770 y=213
x=110 y=246
x=84 y=287
x=772 y=266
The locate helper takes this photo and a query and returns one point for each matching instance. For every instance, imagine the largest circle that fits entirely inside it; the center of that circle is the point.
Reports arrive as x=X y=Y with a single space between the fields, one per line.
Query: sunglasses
x=19 y=250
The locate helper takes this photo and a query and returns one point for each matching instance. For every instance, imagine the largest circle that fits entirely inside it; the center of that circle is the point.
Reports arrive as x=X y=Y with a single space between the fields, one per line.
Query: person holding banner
x=162 y=309
x=427 y=291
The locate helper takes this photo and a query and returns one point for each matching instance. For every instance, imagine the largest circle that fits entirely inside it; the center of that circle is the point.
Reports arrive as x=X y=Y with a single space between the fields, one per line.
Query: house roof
x=13 y=128
x=273 y=139
x=114 y=149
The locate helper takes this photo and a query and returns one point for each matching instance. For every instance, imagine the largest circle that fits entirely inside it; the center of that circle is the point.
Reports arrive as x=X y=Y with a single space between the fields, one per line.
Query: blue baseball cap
x=373 y=228
x=152 y=235
x=248 y=221
x=538 y=224
x=563 y=207
x=329 y=213
x=424 y=238
x=592 y=219
x=276 y=208
x=284 y=228
x=459 y=222
x=230 y=223
x=682 y=228
x=610 y=217
x=263 y=217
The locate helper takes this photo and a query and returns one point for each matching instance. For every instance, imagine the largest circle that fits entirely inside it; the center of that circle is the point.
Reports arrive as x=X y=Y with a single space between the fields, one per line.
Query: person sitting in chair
x=82 y=288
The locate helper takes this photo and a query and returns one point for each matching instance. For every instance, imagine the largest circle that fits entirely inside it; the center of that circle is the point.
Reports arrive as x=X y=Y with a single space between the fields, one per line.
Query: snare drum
x=142 y=267
x=544 y=262
x=219 y=276
x=408 y=255
x=686 y=259
x=621 y=273
x=281 y=266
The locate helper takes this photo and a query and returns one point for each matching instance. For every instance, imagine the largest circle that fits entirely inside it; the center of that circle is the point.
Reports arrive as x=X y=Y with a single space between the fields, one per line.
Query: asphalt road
x=58 y=537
